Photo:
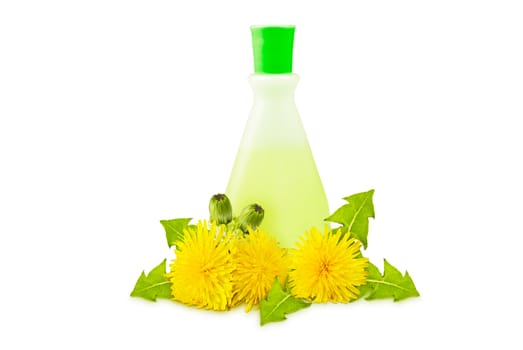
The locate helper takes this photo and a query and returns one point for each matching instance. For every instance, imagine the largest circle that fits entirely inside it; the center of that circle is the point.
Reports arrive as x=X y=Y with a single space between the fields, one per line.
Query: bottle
x=274 y=166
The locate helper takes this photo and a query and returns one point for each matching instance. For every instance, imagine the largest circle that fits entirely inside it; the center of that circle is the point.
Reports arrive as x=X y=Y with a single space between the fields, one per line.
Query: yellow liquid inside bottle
x=285 y=182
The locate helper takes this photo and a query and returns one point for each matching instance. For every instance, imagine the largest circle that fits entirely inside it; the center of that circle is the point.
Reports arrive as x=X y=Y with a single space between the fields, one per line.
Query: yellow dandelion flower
x=258 y=260
x=202 y=271
x=326 y=267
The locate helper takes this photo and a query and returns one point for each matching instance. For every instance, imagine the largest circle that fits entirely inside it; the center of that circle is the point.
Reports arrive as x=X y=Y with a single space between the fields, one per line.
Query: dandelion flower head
x=259 y=260
x=327 y=267
x=201 y=274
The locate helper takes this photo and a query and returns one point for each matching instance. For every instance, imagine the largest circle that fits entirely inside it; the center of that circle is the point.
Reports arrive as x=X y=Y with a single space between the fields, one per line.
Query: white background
x=116 y=114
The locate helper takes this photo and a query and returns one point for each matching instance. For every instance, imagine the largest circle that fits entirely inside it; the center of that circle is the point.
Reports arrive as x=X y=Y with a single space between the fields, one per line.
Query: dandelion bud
x=220 y=209
x=251 y=216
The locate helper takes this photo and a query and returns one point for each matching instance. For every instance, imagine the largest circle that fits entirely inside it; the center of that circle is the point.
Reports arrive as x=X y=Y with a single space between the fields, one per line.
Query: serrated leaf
x=174 y=229
x=278 y=304
x=355 y=215
x=154 y=285
x=392 y=284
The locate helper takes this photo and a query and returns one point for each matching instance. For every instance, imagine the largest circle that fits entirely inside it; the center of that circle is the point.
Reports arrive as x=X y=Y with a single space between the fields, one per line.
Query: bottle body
x=274 y=166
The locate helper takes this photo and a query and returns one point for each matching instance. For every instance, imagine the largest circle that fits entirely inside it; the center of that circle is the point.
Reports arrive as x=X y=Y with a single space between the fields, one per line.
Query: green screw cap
x=272 y=47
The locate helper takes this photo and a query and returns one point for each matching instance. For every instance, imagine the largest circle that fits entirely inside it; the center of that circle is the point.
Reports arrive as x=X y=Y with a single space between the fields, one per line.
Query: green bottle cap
x=272 y=48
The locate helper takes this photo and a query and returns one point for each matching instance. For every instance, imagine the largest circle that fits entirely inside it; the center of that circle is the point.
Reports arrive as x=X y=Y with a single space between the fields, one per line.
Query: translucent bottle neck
x=273 y=87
